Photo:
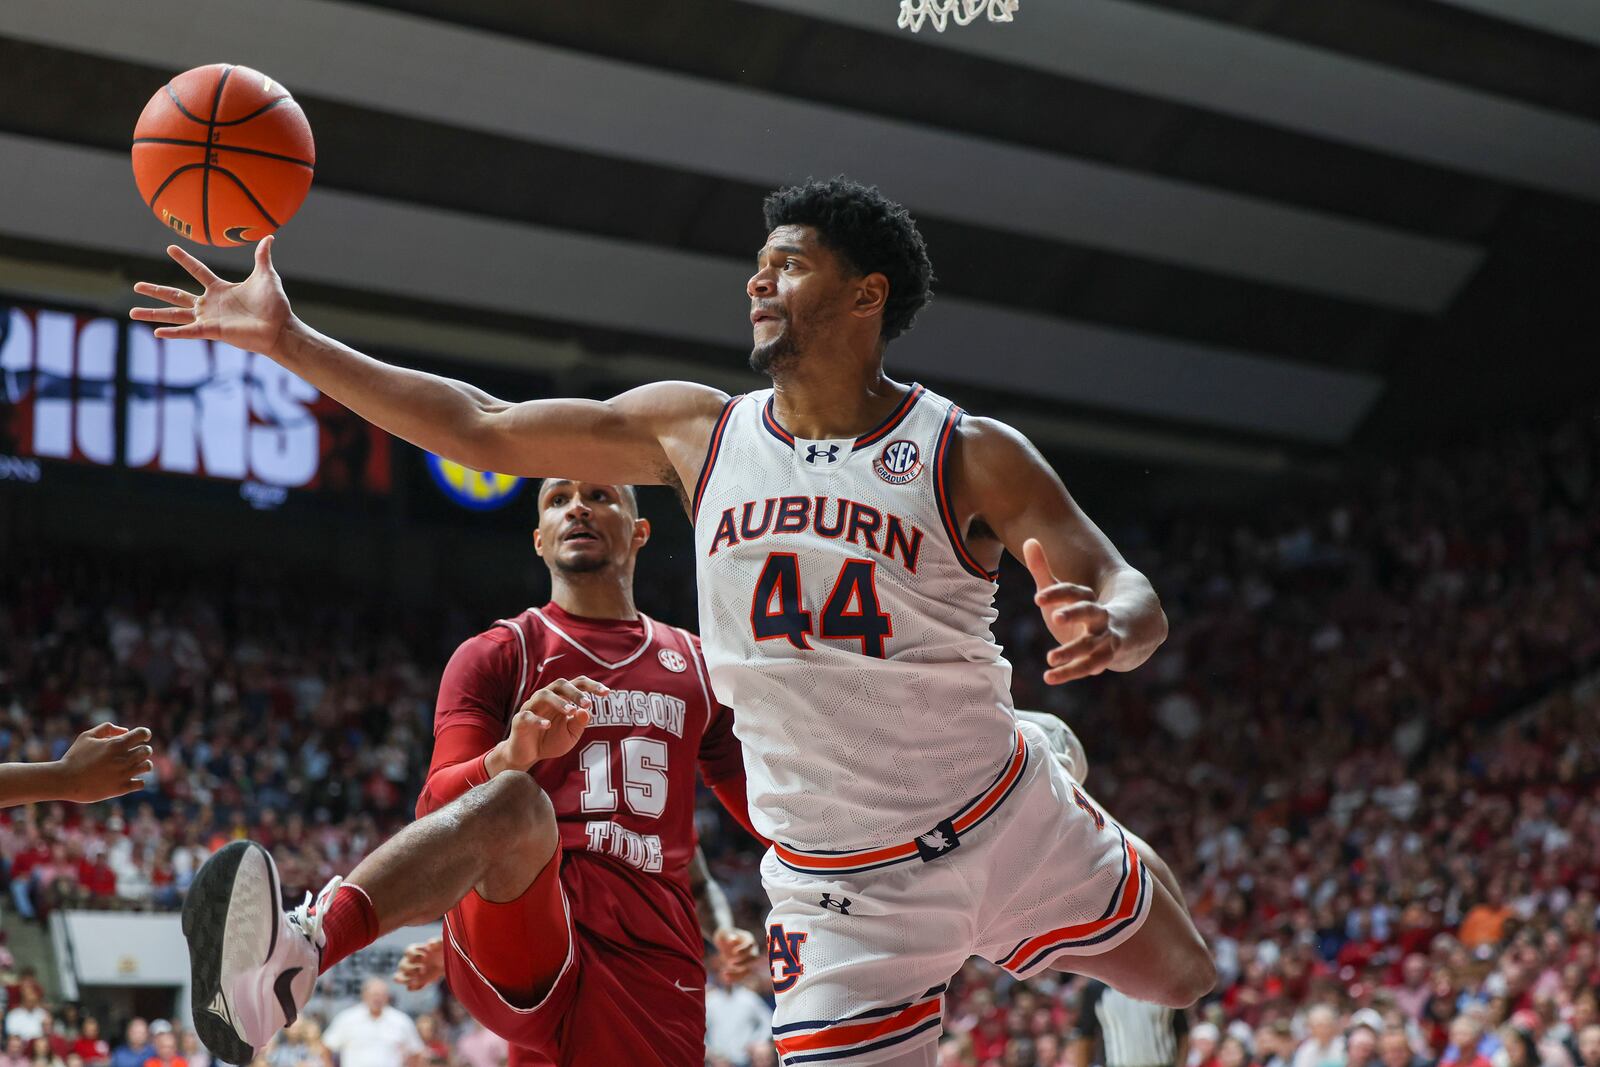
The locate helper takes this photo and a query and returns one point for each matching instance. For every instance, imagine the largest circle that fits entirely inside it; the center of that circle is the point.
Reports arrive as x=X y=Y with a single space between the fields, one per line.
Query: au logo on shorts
x=899 y=463
x=783 y=956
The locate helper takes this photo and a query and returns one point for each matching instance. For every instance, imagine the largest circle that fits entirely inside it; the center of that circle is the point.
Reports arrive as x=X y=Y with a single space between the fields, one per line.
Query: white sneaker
x=252 y=965
x=1063 y=742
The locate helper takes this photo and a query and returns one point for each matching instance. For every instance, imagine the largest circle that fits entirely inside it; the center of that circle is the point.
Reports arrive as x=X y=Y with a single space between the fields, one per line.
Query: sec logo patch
x=899 y=463
x=672 y=660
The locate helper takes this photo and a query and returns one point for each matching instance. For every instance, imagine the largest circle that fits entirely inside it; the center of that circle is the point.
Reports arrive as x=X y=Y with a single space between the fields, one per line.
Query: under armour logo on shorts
x=938 y=841
x=842 y=905
x=827 y=455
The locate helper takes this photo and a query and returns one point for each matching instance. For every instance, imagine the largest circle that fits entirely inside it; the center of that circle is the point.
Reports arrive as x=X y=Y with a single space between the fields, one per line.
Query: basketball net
x=965 y=12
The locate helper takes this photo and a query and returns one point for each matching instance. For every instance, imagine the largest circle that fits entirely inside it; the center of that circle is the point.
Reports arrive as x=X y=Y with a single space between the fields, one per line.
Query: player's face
x=793 y=291
x=584 y=526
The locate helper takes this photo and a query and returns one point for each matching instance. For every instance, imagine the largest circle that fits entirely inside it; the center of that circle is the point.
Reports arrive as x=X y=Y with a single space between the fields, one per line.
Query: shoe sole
x=205 y=926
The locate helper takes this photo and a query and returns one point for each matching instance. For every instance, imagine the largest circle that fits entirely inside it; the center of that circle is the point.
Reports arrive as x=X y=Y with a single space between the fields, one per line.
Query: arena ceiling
x=1229 y=232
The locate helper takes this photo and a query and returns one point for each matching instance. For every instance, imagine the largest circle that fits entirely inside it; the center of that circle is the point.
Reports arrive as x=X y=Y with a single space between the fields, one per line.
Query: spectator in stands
x=1588 y=1046
x=136 y=1047
x=372 y=1033
x=166 y=1046
x=1361 y=1046
x=480 y=1047
x=297 y=1045
x=27 y=1019
x=94 y=1049
x=1394 y=1049
x=193 y=1052
x=16 y=1052
x=736 y=1019
x=435 y=1050
x=1465 y=1036
x=1233 y=1052
x=40 y=1054
x=1485 y=923
x=1324 y=1045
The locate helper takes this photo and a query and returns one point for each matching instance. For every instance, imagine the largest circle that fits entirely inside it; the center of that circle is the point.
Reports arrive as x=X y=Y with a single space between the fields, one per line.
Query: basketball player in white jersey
x=848 y=531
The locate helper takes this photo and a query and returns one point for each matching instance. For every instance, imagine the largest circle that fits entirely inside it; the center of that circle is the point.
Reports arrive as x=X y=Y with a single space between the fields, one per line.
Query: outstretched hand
x=251 y=314
x=104 y=762
x=1087 y=638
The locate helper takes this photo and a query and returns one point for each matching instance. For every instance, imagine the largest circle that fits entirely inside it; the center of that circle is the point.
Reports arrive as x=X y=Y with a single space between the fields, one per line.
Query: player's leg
x=1166 y=962
x=253 y=965
x=1108 y=905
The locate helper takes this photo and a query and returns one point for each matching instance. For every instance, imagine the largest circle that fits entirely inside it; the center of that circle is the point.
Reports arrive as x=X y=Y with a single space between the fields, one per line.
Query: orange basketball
x=223 y=155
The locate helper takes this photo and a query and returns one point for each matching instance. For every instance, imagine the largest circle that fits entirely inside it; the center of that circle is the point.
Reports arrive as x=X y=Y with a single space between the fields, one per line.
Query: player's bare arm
x=104 y=762
x=736 y=948
x=653 y=435
x=1103 y=613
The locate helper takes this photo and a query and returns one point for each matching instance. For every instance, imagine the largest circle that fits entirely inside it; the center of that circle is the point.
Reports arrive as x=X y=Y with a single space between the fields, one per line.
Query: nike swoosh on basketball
x=235 y=233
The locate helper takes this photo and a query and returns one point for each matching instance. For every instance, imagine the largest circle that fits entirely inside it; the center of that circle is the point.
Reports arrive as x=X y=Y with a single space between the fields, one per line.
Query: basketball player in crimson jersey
x=848 y=534
x=556 y=832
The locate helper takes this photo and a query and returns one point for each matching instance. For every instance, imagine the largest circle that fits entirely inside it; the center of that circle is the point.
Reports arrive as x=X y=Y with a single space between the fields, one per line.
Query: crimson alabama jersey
x=626 y=790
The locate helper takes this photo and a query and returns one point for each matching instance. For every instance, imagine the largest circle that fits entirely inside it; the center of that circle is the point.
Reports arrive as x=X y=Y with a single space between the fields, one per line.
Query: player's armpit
x=651 y=435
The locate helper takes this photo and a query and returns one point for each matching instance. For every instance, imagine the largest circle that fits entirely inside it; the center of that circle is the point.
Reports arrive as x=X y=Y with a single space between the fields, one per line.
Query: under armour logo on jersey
x=783 y=956
x=827 y=455
x=938 y=841
x=842 y=905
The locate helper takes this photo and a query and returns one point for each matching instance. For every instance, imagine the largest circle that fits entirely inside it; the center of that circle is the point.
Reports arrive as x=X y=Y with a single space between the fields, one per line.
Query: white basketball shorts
x=861 y=944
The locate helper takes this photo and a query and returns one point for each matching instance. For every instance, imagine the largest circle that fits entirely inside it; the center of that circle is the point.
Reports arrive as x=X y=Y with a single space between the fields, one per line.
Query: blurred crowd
x=1367 y=751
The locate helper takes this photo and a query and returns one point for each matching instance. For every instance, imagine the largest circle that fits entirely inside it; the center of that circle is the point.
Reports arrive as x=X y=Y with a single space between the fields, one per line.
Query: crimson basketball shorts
x=861 y=944
x=607 y=1001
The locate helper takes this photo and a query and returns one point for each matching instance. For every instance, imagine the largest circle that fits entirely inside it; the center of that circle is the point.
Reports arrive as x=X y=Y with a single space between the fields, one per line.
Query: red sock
x=350 y=924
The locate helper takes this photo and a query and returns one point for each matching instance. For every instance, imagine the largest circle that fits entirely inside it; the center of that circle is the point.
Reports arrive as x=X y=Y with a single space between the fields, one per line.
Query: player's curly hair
x=874 y=235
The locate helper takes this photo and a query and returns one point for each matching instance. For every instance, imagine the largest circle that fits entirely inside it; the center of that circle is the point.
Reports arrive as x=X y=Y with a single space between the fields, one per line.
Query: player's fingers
x=1063 y=593
x=138 y=754
x=181 y=297
x=264 y=254
x=105 y=729
x=1094 y=616
x=589 y=685
x=144 y=768
x=1038 y=566
x=174 y=333
x=1085 y=666
x=197 y=270
x=174 y=315
x=139 y=735
x=567 y=691
x=1062 y=655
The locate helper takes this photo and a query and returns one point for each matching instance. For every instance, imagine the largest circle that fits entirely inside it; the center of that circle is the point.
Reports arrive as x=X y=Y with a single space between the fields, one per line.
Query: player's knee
x=518 y=814
x=1192 y=978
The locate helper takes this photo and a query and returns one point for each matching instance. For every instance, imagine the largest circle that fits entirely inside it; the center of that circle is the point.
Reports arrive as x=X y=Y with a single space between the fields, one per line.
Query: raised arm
x=653 y=435
x=1103 y=613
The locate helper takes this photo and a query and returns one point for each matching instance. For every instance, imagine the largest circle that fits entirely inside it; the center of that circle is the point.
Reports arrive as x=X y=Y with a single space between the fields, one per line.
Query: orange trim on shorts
x=850 y=1035
x=1127 y=905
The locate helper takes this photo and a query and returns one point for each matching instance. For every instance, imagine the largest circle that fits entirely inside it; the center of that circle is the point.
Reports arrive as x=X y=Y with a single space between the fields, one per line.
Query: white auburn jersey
x=848 y=626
